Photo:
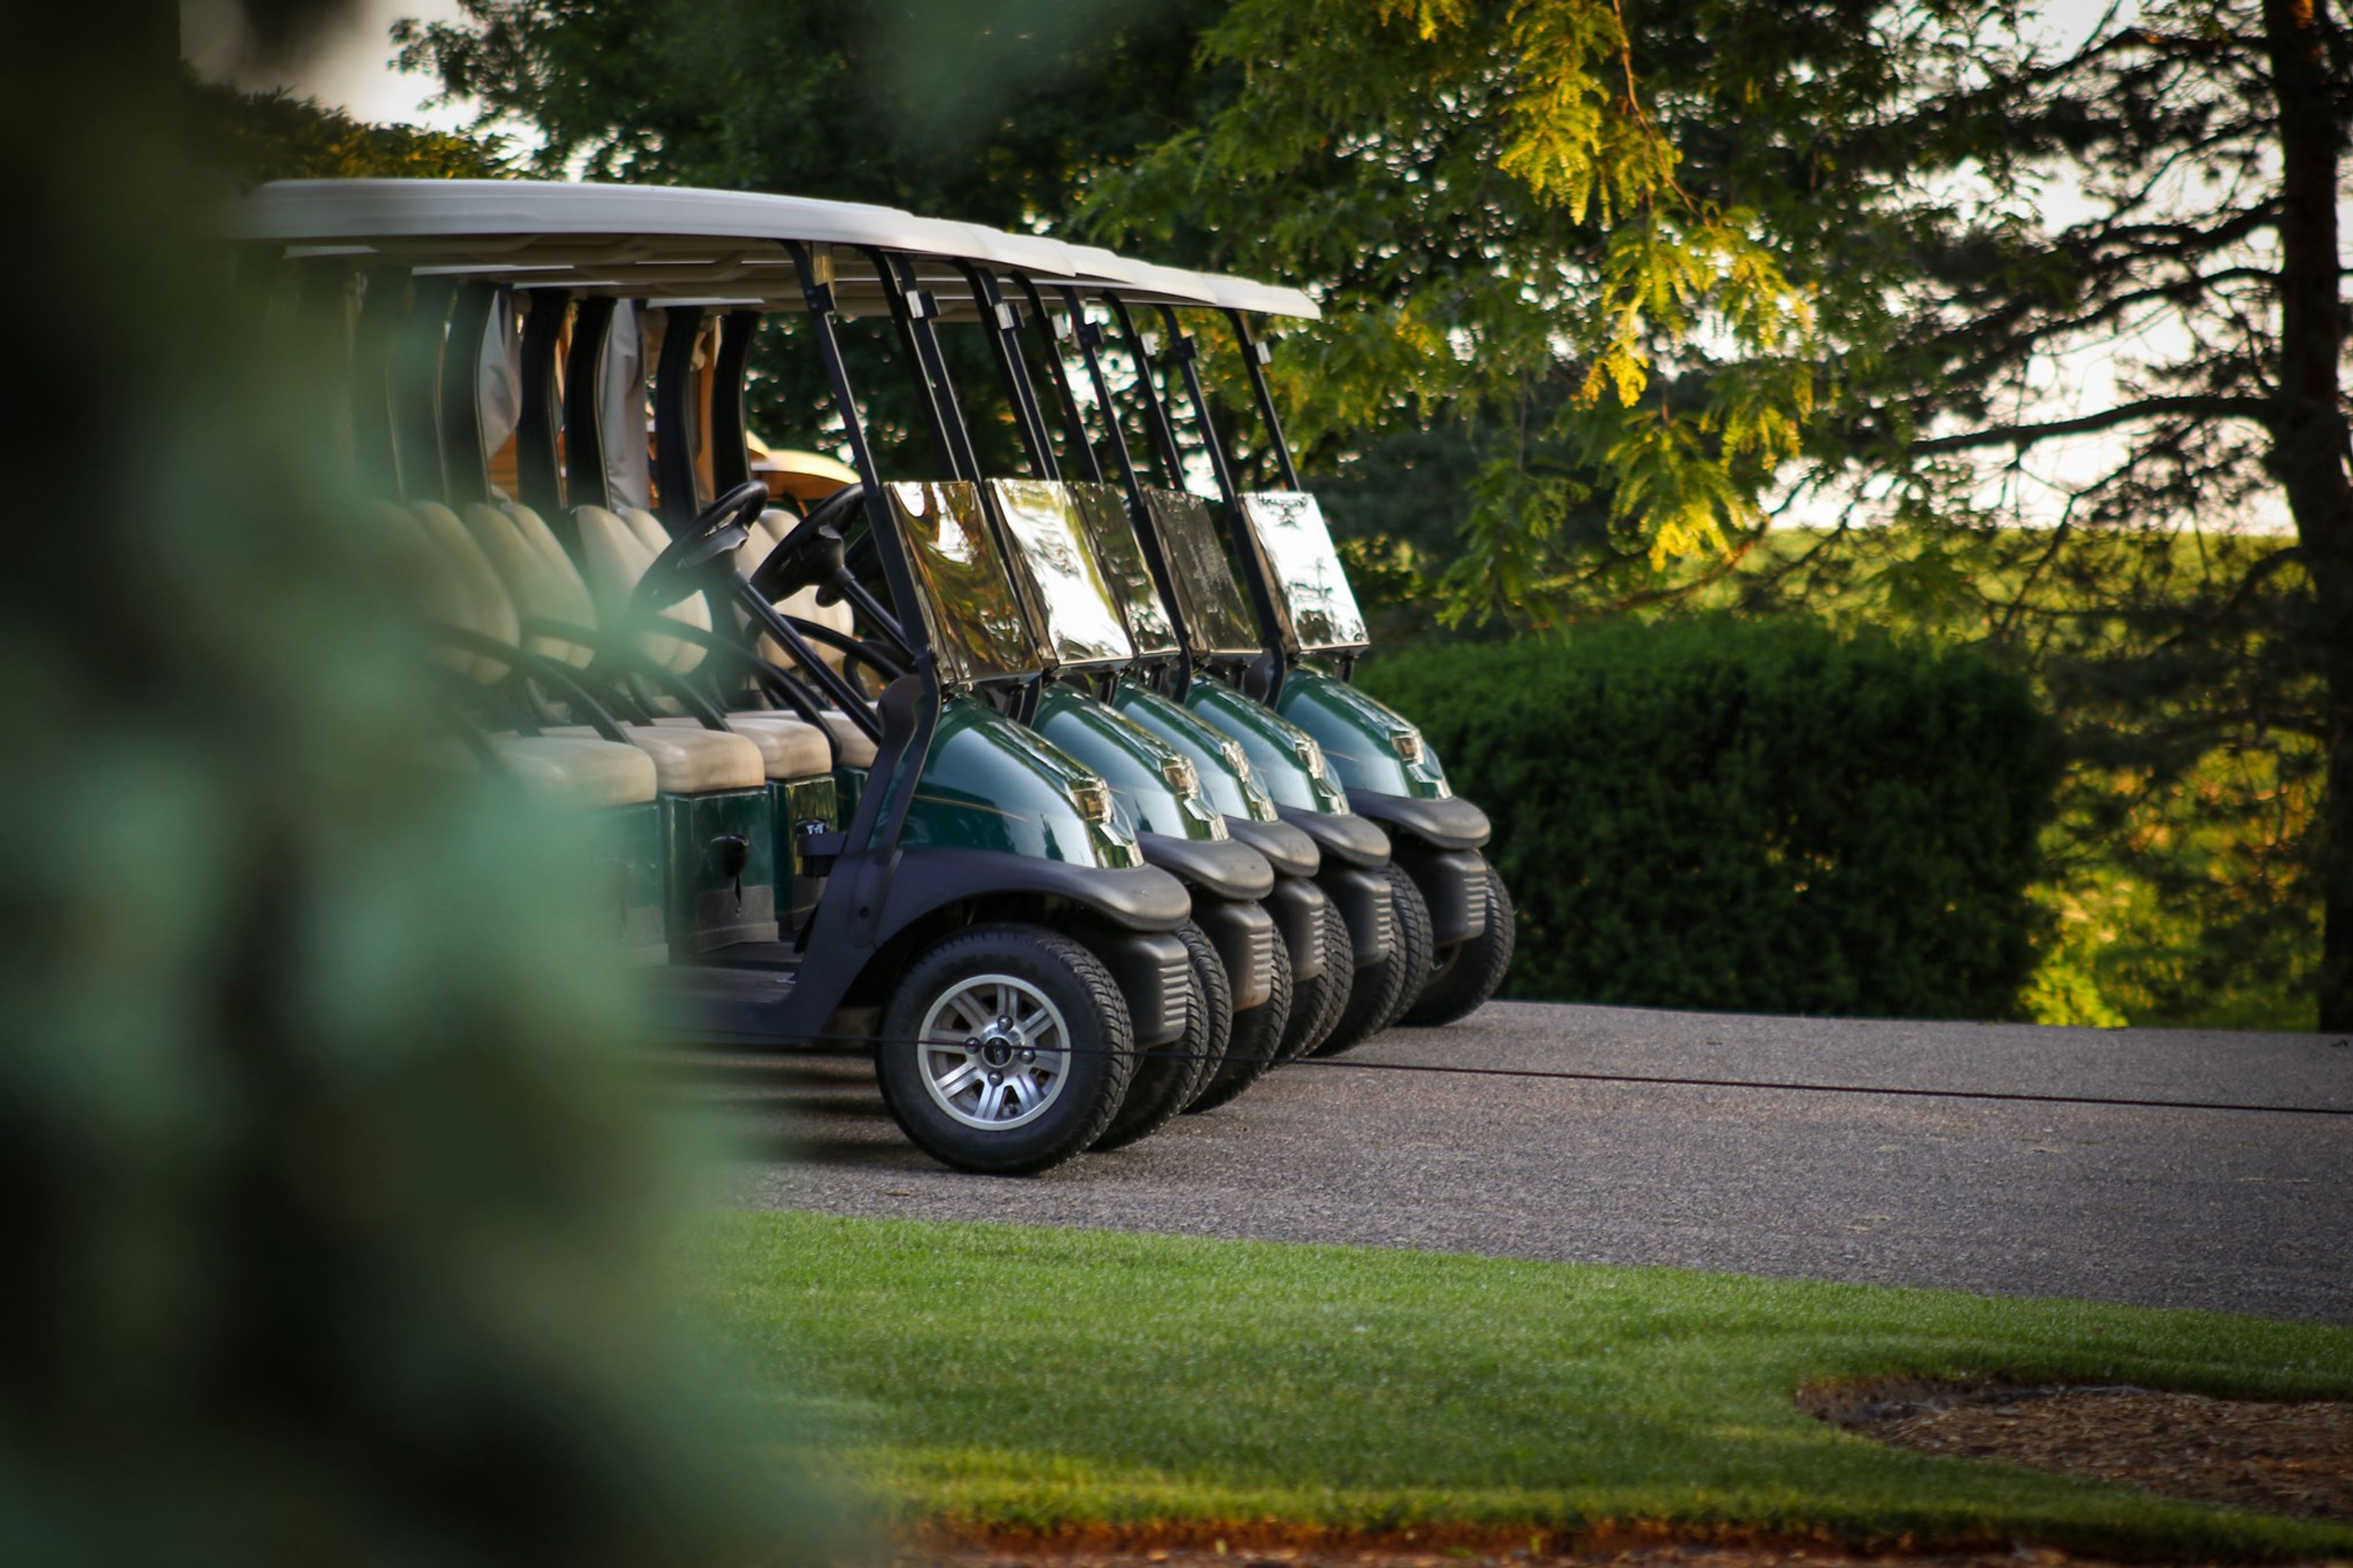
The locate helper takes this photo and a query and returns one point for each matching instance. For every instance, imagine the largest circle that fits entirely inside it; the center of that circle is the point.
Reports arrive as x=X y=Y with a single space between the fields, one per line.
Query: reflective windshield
x=1310 y=585
x=978 y=629
x=1217 y=616
x=1120 y=554
x=1050 y=550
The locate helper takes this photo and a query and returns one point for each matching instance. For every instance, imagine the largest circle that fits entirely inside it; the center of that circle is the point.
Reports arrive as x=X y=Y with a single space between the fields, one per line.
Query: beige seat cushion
x=490 y=611
x=857 y=751
x=540 y=588
x=691 y=760
x=574 y=771
x=617 y=557
x=790 y=747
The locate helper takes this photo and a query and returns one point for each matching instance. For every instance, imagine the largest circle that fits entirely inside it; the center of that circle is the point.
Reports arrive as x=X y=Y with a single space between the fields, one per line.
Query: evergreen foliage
x=337 y=1227
x=1757 y=817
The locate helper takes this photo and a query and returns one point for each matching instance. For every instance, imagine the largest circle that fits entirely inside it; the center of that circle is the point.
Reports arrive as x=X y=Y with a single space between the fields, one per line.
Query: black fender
x=1452 y=823
x=1222 y=868
x=1244 y=935
x=1289 y=851
x=866 y=894
x=1351 y=840
x=1154 y=970
x=1363 y=898
x=1453 y=883
x=1297 y=906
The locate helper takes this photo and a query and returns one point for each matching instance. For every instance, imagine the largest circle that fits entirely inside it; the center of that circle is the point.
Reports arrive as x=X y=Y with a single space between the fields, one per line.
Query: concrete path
x=2241 y=1213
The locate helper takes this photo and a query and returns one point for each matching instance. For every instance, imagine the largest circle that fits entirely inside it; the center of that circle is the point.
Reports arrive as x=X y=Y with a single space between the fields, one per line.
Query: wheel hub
x=993 y=1052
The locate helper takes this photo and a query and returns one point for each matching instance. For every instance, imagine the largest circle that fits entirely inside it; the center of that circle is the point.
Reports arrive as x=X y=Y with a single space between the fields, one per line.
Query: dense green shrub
x=1752 y=815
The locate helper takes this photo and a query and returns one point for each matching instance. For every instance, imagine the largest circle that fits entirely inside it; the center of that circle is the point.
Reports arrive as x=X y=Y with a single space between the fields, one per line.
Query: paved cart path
x=2242 y=1213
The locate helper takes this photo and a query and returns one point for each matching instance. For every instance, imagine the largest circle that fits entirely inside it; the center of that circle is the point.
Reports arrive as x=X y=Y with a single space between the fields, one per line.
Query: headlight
x=1178 y=772
x=1312 y=756
x=1407 y=743
x=1092 y=797
x=1236 y=758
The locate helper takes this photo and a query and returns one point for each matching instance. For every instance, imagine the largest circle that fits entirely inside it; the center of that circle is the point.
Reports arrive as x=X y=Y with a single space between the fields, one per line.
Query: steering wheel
x=680 y=570
x=812 y=552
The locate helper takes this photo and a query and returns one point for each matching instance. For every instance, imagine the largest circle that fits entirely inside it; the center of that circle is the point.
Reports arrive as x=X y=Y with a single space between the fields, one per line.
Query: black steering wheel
x=812 y=552
x=684 y=565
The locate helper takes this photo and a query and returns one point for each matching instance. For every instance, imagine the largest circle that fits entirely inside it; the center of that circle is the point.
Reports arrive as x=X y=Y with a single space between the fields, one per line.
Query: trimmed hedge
x=1757 y=817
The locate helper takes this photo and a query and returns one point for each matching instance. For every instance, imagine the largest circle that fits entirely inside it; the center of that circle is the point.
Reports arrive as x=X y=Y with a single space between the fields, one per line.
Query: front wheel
x=1468 y=973
x=1257 y=1036
x=1316 y=1004
x=1380 y=994
x=1006 y=1049
x=1169 y=1078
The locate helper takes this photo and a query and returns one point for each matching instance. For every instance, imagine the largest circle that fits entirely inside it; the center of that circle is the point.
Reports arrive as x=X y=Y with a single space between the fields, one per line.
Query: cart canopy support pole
x=415 y=388
x=1053 y=331
x=463 y=457
x=1004 y=324
x=1156 y=417
x=584 y=411
x=881 y=814
x=1256 y=356
x=675 y=419
x=539 y=472
x=731 y=452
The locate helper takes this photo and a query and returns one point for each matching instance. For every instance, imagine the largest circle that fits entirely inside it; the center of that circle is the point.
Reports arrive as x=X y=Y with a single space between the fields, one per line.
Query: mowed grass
x=1007 y=1377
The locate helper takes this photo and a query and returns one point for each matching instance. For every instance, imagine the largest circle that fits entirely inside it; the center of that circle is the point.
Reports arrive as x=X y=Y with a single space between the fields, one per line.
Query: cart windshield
x=1311 y=586
x=976 y=626
x=1121 y=556
x=1217 y=616
x=1081 y=621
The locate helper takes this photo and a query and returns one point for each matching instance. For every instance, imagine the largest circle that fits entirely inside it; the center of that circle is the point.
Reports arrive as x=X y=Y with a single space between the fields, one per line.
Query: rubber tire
x=1469 y=973
x=1103 y=1057
x=1257 y=1036
x=1171 y=1077
x=1387 y=989
x=1316 y=1004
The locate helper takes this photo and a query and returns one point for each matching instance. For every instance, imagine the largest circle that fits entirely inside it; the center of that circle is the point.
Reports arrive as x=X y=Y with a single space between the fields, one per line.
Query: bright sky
x=350 y=68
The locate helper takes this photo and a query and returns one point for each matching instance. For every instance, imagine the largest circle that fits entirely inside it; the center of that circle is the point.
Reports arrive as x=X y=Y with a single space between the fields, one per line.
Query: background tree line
x=1999 y=328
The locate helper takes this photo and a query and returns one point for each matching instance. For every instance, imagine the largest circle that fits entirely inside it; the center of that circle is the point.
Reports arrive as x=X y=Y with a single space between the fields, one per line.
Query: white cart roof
x=671 y=245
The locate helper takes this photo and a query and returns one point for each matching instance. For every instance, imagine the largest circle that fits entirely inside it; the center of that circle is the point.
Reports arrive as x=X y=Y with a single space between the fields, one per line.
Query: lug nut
x=997 y=1078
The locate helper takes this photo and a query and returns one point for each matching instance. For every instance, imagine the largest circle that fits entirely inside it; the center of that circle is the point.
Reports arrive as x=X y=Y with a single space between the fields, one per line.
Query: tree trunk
x=2309 y=436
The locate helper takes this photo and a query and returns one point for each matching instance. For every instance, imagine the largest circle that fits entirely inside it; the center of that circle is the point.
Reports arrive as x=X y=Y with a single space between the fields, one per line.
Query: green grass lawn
x=1013 y=1377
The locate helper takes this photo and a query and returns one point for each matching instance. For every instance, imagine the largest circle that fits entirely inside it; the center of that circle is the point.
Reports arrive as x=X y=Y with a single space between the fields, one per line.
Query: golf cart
x=1311 y=635
x=1198 y=810
x=979 y=916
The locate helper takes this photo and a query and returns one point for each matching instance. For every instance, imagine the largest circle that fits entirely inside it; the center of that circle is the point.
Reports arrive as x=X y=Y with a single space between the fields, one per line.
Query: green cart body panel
x=991 y=784
x=1227 y=776
x=722 y=869
x=1366 y=742
x=1279 y=751
x=630 y=837
x=1147 y=776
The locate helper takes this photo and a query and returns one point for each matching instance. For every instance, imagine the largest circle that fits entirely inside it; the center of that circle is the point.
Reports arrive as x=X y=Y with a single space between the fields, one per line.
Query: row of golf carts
x=1049 y=790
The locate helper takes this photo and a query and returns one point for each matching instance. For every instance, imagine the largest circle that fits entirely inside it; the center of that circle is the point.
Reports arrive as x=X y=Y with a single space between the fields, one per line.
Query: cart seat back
x=473 y=585
x=617 y=552
x=542 y=589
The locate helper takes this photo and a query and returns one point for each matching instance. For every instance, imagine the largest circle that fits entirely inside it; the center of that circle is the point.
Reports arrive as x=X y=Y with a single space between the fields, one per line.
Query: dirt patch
x=2279 y=1457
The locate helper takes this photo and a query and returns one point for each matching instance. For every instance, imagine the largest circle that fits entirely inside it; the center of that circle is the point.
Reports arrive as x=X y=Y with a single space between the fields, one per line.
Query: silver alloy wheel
x=993 y=1052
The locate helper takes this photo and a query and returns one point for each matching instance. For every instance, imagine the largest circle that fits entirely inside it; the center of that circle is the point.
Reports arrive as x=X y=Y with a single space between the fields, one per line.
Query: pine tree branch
x=2204 y=406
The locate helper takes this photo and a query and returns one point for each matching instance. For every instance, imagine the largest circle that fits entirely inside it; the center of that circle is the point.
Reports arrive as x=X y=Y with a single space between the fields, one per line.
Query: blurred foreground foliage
x=338 y=1228
x=1750 y=816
